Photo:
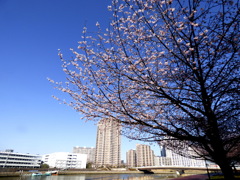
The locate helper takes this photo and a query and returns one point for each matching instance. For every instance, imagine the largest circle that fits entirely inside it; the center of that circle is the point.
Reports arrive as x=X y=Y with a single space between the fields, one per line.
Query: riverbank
x=10 y=174
x=17 y=174
x=165 y=172
x=98 y=172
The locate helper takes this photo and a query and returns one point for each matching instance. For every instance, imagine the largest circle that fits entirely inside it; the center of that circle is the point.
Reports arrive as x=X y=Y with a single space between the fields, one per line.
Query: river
x=91 y=177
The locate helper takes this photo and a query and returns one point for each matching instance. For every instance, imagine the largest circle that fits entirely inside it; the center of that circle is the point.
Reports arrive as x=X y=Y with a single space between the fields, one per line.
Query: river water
x=91 y=177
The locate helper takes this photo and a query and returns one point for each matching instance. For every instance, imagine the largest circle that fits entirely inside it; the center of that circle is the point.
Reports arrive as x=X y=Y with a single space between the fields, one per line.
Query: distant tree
x=44 y=165
x=89 y=165
x=167 y=70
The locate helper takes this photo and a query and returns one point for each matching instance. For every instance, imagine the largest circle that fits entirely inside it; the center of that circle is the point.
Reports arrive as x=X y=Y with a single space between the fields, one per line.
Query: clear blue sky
x=31 y=32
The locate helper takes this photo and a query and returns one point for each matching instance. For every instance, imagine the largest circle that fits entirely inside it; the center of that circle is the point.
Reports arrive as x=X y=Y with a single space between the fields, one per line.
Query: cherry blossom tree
x=168 y=71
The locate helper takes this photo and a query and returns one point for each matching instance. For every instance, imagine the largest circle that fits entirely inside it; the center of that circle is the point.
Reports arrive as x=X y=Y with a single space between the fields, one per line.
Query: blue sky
x=31 y=32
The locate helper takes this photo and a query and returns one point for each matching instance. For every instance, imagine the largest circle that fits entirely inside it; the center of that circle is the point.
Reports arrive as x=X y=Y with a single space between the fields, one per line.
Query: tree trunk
x=224 y=164
x=227 y=171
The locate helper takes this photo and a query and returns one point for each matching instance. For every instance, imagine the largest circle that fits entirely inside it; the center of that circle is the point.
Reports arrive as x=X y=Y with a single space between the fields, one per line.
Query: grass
x=221 y=177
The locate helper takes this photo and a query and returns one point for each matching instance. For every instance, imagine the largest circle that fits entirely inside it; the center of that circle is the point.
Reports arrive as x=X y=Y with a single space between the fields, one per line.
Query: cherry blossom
x=166 y=70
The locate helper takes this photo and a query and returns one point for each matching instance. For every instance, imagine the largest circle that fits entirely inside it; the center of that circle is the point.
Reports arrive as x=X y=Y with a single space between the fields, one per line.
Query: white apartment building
x=131 y=158
x=162 y=161
x=144 y=155
x=178 y=160
x=90 y=151
x=10 y=159
x=108 y=143
x=65 y=160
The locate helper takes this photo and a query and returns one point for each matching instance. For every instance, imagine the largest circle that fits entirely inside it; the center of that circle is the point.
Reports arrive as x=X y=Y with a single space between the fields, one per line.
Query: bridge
x=150 y=169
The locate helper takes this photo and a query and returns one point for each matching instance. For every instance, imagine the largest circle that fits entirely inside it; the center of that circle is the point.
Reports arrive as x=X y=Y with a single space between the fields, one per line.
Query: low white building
x=90 y=151
x=65 y=160
x=162 y=161
x=178 y=160
x=10 y=159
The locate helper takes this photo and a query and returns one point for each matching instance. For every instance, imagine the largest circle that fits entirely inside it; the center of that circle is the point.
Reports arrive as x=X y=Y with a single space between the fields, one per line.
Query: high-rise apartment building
x=108 y=143
x=144 y=154
x=163 y=151
x=90 y=151
x=131 y=158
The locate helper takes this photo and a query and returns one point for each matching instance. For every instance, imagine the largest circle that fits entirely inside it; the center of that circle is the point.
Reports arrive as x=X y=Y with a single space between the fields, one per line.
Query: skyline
x=31 y=34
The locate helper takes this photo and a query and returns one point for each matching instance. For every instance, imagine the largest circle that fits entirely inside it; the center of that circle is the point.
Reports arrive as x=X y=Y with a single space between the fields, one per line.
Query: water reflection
x=91 y=177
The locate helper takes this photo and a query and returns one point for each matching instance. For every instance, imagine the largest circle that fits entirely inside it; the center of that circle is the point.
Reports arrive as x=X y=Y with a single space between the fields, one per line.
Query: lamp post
x=207 y=169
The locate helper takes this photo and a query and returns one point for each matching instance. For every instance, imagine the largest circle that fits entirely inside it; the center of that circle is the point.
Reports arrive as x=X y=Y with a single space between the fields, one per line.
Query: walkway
x=193 y=177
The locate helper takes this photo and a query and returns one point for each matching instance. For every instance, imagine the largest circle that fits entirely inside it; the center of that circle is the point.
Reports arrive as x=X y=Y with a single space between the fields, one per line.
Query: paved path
x=193 y=177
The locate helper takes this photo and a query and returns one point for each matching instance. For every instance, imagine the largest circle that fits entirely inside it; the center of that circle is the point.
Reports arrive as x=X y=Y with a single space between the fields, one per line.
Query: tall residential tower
x=108 y=143
x=131 y=158
x=145 y=156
